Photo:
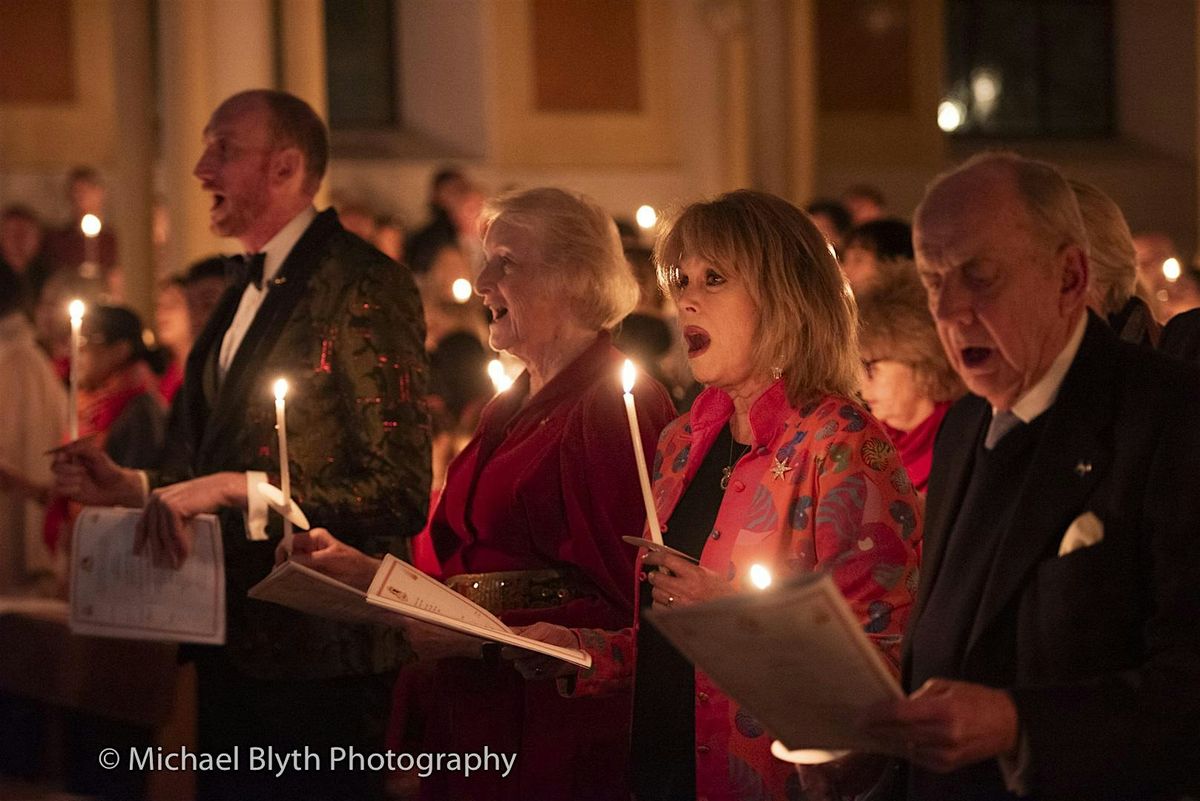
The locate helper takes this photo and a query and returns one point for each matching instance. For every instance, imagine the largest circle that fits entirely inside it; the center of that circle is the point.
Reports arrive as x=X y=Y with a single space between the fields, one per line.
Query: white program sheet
x=117 y=594
x=794 y=657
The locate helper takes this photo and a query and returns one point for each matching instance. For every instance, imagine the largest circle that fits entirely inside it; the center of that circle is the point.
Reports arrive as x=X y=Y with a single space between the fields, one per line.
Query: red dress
x=549 y=485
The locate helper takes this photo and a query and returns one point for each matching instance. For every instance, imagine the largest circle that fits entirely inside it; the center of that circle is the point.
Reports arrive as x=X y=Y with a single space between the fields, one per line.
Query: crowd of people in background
x=873 y=328
x=51 y=265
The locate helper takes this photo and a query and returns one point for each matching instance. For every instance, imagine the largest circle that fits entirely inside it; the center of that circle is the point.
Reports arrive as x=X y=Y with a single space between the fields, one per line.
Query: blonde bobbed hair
x=807 y=322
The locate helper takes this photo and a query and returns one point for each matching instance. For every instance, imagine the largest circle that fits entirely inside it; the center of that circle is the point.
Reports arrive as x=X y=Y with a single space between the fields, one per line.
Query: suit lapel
x=199 y=391
x=954 y=459
x=1066 y=464
x=245 y=373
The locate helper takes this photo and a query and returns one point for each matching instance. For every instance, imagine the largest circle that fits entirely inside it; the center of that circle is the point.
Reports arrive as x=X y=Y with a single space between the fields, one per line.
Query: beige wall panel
x=82 y=131
x=888 y=137
x=521 y=135
x=803 y=113
x=39 y=52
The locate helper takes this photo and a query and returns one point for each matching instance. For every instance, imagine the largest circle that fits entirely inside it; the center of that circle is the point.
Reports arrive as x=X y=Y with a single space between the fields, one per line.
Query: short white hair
x=578 y=247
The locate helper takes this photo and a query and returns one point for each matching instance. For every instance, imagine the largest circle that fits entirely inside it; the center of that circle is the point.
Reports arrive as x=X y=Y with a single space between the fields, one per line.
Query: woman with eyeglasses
x=119 y=399
x=907 y=382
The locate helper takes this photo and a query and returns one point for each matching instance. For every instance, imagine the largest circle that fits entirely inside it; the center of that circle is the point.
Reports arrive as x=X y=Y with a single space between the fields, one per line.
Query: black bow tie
x=245 y=269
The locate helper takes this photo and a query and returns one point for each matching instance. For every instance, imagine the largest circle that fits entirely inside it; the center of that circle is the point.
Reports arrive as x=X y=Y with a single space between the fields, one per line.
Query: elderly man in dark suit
x=1054 y=652
x=343 y=324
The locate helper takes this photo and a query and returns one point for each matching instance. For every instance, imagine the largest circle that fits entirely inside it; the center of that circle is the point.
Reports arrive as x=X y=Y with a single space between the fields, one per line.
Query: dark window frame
x=970 y=45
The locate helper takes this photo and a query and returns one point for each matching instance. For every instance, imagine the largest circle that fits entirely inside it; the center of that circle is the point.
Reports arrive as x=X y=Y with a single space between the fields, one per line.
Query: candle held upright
x=285 y=481
x=628 y=378
x=75 y=309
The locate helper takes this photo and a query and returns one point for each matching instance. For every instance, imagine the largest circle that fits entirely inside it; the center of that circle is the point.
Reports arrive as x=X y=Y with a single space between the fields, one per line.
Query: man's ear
x=1076 y=275
x=287 y=165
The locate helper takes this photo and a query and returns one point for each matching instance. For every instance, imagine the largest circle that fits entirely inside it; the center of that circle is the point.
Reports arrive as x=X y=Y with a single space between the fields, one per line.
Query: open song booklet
x=794 y=657
x=401 y=596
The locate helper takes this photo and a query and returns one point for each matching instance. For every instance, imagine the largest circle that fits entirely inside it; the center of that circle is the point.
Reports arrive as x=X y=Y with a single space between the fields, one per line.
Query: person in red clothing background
x=907 y=384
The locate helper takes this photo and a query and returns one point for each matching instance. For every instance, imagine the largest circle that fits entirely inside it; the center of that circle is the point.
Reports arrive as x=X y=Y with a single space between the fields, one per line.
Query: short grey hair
x=579 y=250
x=1042 y=188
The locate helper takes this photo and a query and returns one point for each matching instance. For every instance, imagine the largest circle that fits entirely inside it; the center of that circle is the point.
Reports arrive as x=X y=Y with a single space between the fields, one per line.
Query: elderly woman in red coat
x=538 y=500
x=777 y=464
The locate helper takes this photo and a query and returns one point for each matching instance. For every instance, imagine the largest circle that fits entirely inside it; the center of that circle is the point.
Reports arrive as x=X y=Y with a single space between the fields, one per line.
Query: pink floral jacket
x=821 y=488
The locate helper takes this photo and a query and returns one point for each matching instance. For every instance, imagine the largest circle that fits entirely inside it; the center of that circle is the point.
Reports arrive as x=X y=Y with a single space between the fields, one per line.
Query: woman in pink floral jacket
x=775 y=464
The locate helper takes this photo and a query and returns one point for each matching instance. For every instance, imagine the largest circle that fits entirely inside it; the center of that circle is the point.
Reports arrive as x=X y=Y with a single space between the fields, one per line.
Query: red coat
x=821 y=488
x=553 y=484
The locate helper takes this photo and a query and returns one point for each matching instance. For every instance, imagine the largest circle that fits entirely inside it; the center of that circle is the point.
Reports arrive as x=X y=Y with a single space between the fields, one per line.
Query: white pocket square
x=1086 y=530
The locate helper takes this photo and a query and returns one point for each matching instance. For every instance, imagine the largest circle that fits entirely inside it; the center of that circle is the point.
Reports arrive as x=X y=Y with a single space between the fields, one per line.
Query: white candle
x=285 y=481
x=75 y=309
x=628 y=376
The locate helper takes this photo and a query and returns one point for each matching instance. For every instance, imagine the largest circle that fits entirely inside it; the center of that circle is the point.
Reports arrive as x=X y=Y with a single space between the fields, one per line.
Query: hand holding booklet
x=115 y=593
x=401 y=596
x=794 y=656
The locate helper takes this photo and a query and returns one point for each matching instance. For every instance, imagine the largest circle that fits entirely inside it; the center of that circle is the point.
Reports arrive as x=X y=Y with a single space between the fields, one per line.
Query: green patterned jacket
x=343 y=324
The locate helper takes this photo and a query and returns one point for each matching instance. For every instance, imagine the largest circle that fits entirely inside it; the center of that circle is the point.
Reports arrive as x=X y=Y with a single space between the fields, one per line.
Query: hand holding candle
x=75 y=309
x=628 y=377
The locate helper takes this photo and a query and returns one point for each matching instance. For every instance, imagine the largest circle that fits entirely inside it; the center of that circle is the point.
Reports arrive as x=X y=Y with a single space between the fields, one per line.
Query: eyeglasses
x=869 y=364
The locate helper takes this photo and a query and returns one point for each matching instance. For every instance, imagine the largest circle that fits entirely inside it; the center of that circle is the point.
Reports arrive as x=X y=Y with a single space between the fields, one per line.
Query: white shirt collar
x=280 y=245
x=1042 y=395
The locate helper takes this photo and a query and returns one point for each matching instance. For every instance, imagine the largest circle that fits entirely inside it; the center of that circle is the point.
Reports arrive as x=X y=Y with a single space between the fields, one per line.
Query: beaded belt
x=504 y=591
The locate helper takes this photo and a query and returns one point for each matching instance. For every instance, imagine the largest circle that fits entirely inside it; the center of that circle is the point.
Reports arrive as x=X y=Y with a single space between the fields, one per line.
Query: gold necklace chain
x=727 y=471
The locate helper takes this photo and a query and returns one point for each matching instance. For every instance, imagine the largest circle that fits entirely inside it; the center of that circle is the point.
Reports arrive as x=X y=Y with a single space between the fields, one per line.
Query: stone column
x=302 y=54
x=803 y=108
x=133 y=165
x=208 y=50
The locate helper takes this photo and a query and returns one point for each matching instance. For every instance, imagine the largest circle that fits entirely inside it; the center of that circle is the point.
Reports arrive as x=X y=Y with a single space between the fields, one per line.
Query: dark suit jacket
x=1181 y=336
x=343 y=324
x=1107 y=660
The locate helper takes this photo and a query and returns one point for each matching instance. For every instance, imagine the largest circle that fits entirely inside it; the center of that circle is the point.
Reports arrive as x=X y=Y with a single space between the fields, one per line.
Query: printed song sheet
x=401 y=596
x=305 y=590
x=402 y=588
x=117 y=594
x=793 y=656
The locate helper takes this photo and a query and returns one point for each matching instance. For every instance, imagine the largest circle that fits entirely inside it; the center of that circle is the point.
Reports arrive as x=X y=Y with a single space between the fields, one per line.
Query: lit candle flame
x=281 y=389
x=1171 y=269
x=499 y=376
x=461 y=290
x=90 y=225
x=628 y=375
x=75 y=309
x=760 y=577
x=646 y=217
